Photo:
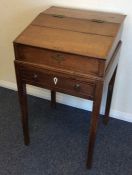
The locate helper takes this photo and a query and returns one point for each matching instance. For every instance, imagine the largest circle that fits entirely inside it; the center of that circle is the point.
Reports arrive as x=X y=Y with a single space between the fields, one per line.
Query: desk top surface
x=82 y=32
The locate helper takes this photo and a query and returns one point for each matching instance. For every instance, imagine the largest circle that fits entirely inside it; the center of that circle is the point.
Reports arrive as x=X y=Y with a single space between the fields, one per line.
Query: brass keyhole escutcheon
x=58 y=57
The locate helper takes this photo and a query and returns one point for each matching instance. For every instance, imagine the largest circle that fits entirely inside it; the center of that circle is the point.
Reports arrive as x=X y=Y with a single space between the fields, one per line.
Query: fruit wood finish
x=69 y=51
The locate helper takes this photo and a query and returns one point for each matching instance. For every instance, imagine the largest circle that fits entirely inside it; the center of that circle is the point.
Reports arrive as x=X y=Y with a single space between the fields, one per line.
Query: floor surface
x=59 y=139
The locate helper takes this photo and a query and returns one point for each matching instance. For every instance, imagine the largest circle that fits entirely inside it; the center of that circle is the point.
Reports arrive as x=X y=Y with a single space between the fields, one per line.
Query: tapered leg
x=94 y=122
x=23 y=106
x=53 y=98
x=109 y=97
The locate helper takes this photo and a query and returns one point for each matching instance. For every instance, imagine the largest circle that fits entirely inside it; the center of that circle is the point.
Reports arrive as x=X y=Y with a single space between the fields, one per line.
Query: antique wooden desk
x=69 y=51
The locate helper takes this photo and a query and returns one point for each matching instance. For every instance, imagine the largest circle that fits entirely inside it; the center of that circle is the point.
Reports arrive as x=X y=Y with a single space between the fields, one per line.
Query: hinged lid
x=86 y=14
x=92 y=26
x=87 y=33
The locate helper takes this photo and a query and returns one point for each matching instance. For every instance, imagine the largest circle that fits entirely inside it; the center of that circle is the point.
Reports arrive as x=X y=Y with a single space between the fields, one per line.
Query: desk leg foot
x=94 y=123
x=89 y=164
x=53 y=99
x=109 y=98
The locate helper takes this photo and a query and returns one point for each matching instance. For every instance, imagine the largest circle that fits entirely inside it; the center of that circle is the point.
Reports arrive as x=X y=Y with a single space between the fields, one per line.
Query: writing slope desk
x=69 y=51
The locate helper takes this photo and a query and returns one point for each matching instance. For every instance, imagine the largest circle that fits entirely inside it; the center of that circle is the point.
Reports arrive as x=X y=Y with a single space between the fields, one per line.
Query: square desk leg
x=94 y=122
x=96 y=112
x=109 y=97
x=53 y=99
x=23 y=106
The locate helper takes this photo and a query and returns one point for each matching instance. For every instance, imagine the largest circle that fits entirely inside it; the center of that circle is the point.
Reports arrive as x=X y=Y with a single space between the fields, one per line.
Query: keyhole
x=55 y=80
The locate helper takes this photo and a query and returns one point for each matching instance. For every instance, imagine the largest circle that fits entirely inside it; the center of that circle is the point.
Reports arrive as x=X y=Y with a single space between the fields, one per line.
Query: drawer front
x=58 y=82
x=56 y=59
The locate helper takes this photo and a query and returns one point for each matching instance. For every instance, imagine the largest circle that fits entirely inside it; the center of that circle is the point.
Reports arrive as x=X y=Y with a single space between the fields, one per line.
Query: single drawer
x=59 y=60
x=58 y=82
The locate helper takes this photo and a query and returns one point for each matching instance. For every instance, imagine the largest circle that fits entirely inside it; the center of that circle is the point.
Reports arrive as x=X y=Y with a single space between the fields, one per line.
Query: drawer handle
x=35 y=76
x=77 y=86
x=58 y=57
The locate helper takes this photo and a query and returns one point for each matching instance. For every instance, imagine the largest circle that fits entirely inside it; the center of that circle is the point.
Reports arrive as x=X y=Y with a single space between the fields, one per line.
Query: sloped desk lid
x=87 y=33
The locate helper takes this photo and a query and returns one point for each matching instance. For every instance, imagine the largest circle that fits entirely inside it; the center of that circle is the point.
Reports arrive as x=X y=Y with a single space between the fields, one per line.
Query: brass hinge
x=58 y=16
x=97 y=20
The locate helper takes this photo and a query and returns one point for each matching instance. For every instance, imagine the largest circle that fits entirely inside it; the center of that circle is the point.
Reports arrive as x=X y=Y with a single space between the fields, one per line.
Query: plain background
x=15 y=15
